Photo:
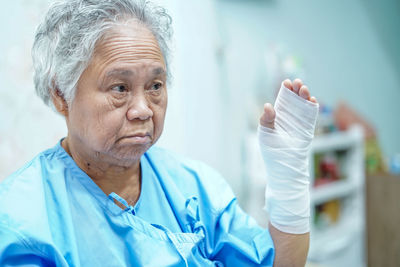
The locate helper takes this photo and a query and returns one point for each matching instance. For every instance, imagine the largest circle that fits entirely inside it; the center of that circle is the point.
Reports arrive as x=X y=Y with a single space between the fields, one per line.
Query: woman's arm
x=290 y=249
x=285 y=134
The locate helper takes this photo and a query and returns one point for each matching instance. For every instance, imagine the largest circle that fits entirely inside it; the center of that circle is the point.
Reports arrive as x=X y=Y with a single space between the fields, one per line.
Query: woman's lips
x=138 y=138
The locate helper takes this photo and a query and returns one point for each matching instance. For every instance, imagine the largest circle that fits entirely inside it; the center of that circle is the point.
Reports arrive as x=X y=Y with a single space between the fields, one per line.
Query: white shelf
x=335 y=239
x=340 y=244
x=337 y=140
x=334 y=190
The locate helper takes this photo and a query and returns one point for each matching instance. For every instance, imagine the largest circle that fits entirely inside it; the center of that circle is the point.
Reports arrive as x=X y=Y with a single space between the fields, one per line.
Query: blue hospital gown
x=53 y=214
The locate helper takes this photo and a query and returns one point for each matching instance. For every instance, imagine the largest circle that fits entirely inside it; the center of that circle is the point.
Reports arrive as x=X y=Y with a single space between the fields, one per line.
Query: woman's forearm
x=290 y=249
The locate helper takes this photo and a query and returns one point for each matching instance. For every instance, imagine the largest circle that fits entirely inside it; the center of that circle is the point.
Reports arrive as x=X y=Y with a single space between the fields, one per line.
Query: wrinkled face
x=119 y=108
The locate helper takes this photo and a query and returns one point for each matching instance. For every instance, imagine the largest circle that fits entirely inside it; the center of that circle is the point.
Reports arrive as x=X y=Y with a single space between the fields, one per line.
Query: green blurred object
x=374 y=163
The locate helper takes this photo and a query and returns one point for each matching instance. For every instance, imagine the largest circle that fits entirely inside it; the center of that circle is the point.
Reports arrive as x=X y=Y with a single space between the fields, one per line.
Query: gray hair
x=65 y=40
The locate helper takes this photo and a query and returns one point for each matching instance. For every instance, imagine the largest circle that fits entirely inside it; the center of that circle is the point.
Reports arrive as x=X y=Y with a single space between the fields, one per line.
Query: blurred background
x=229 y=57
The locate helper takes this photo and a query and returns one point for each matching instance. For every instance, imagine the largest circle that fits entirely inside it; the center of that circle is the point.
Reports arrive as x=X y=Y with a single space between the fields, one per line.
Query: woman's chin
x=129 y=154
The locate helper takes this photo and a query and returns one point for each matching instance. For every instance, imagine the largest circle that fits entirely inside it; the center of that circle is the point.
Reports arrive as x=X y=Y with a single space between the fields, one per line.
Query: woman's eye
x=156 y=86
x=120 y=88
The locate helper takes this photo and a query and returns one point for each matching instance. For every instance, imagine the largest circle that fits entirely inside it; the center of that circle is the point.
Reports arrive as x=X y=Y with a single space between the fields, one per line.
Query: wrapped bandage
x=285 y=152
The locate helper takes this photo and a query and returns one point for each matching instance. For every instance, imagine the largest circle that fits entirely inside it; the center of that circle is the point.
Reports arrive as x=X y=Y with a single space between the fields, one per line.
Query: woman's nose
x=139 y=108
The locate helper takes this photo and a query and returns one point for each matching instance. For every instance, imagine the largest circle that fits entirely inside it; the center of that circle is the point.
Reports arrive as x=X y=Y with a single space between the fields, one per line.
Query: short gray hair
x=65 y=40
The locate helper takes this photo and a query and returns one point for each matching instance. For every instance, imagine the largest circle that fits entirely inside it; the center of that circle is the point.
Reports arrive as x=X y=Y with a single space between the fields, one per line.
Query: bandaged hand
x=285 y=134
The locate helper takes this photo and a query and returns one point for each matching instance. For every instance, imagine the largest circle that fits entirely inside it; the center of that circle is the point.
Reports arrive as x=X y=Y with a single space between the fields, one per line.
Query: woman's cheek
x=159 y=118
x=107 y=129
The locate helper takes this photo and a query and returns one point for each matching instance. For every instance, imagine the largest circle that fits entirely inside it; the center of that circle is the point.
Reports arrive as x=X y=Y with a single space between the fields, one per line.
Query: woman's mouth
x=138 y=138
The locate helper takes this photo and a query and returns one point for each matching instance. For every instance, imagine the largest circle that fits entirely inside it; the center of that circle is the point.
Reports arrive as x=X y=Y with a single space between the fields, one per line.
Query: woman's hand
x=268 y=117
x=285 y=134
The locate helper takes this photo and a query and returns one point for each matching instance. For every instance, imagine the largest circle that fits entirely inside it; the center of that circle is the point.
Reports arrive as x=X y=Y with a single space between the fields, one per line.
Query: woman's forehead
x=129 y=42
x=126 y=48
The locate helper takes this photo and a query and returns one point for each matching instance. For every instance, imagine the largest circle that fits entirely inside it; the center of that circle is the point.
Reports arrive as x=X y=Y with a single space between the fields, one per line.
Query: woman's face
x=119 y=108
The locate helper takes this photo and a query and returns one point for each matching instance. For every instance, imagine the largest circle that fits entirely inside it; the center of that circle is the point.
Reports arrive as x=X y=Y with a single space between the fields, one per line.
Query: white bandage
x=285 y=152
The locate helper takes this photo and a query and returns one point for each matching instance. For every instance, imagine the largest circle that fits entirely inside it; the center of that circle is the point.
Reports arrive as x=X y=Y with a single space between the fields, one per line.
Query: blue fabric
x=53 y=214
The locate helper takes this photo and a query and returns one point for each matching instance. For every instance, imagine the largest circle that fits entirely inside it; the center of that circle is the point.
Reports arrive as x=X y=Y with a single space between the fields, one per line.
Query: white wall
x=199 y=119
x=193 y=124
x=341 y=53
x=27 y=126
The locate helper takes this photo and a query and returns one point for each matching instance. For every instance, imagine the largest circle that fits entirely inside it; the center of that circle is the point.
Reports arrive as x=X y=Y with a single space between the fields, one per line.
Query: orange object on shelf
x=345 y=117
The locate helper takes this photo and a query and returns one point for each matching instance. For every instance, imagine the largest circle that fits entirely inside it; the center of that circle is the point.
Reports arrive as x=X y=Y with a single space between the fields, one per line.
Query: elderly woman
x=104 y=196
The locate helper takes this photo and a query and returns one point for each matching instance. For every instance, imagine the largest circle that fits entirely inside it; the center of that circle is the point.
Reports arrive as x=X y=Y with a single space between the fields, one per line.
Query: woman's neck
x=122 y=180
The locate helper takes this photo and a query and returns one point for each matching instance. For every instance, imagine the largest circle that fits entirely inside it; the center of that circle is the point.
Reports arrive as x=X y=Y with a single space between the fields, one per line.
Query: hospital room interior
x=229 y=57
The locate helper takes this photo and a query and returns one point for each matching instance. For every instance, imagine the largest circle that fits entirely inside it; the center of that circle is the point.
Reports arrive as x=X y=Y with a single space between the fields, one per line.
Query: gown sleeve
x=15 y=250
x=238 y=239
x=232 y=237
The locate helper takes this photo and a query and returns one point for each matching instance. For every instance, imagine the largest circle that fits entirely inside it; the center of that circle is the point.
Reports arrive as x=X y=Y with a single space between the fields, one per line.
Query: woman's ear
x=59 y=102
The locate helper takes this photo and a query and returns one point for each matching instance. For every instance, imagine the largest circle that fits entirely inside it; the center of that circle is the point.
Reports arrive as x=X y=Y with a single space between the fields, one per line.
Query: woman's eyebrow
x=127 y=73
x=158 y=71
x=119 y=72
